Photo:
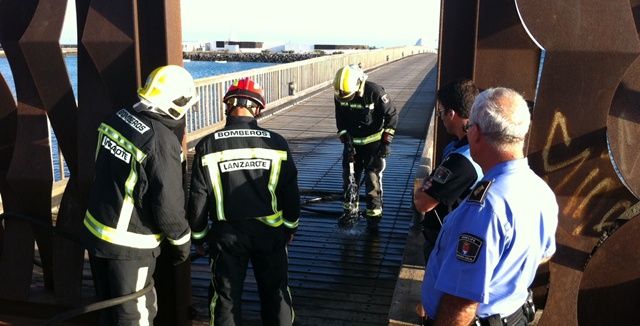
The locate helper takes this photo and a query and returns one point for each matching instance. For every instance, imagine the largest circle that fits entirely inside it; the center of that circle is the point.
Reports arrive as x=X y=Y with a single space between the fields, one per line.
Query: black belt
x=516 y=318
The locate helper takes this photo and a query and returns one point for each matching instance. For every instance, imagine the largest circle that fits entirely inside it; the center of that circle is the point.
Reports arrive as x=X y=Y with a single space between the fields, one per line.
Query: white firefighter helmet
x=169 y=90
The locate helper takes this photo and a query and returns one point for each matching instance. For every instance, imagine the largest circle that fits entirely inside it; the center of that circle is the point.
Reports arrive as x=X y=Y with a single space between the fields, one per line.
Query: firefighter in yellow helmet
x=137 y=198
x=366 y=120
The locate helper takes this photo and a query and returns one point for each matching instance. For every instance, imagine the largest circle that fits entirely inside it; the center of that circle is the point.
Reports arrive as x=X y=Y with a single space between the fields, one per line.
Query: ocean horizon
x=198 y=69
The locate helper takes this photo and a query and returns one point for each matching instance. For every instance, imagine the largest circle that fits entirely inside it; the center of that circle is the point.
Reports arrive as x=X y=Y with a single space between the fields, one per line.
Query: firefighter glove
x=345 y=138
x=181 y=253
x=387 y=137
x=383 y=150
x=350 y=152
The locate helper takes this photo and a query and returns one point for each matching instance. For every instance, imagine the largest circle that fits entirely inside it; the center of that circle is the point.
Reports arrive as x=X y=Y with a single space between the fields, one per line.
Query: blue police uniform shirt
x=462 y=147
x=490 y=247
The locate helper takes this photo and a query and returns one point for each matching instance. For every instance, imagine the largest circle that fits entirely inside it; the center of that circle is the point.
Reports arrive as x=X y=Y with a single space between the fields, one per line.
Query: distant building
x=236 y=46
x=331 y=48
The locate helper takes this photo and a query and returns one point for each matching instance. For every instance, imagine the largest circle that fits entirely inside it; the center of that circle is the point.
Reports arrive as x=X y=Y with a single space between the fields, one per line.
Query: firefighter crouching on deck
x=245 y=181
x=137 y=198
x=489 y=249
x=366 y=120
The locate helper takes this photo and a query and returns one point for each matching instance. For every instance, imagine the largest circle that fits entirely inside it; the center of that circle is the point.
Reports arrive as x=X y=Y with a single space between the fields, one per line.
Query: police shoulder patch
x=441 y=174
x=479 y=192
x=468 y=248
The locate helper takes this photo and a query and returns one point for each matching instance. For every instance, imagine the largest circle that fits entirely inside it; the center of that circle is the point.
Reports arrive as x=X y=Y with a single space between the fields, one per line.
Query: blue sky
x=363 y=22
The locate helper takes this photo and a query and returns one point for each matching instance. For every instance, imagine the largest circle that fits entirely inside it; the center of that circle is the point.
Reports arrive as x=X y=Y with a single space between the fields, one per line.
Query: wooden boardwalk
x=338 y=278
x=335 y=278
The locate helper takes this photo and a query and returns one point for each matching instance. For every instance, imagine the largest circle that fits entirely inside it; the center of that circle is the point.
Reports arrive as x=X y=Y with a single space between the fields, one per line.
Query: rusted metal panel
x=505 y=54
x=30 y=32
x=590 y=45
x=609 y=287
x=8 y=115
x=456 y=53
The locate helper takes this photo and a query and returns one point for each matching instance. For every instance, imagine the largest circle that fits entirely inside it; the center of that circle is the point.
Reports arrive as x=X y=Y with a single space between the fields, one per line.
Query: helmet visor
x=344 y=96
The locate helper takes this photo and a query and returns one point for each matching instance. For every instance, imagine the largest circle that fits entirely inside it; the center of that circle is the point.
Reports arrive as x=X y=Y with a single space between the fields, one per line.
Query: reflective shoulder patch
x=441 y=175
x=241 y=133
x=468 y=248
x=116 y=150
x=385 y=98
x=132 y=121
x=246 y=164
x=479 y=192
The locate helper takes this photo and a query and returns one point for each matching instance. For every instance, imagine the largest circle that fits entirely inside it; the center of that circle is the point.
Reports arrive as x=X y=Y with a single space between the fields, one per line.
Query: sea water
x=198 y=69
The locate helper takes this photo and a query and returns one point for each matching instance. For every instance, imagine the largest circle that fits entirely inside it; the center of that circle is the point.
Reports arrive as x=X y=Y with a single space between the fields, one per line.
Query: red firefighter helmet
x=246 y=93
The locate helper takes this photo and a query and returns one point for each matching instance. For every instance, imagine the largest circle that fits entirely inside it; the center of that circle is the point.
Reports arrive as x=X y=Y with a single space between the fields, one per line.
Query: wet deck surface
x=339 y=278
x=335 y=278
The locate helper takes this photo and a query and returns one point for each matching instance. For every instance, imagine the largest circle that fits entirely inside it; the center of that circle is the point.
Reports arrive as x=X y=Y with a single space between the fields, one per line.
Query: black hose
x=97 y=306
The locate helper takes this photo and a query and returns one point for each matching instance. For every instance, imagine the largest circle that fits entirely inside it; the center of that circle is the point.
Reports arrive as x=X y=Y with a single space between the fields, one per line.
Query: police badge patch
x=468 y=248
x=479 y=192
x=441 y=175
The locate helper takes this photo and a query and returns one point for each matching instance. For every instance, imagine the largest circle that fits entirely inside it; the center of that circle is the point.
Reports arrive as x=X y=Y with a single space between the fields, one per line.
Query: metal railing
x=282 y=83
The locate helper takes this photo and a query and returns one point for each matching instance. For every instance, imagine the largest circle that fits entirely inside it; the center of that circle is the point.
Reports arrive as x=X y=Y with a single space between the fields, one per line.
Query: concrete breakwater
x=249 y=57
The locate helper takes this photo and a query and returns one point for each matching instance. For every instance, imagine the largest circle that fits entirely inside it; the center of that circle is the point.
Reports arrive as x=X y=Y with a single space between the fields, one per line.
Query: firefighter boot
x=372 y=223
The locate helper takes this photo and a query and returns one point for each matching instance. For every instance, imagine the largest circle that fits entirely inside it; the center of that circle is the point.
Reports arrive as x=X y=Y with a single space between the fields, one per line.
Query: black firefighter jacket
x=137 y=198
x=243 y=172
x=365 y=118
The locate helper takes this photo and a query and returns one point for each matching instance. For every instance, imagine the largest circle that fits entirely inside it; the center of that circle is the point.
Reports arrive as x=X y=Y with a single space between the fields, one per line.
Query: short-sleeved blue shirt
x=490 y=246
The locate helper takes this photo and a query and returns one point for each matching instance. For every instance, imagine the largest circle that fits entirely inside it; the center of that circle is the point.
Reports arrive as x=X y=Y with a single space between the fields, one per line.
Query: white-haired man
x=488 y=251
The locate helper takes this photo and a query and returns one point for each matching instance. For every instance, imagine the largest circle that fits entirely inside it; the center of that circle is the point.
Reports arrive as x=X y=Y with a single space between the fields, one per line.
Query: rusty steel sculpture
x=585 y=126
x=119 y=42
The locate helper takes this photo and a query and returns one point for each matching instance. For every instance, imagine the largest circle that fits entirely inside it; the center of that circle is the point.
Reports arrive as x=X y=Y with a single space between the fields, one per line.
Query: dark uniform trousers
x=118 y=277
x=232 y=245
x=366 y=160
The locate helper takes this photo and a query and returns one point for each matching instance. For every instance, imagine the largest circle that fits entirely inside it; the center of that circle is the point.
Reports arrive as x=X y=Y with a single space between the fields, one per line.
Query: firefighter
x=137 y=197
x=366 y=120
x=244 y=181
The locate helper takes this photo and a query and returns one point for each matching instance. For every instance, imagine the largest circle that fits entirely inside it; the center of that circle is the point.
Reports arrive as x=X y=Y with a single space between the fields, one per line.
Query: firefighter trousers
x=367 y=161
x=232 y=245
x=114 y=278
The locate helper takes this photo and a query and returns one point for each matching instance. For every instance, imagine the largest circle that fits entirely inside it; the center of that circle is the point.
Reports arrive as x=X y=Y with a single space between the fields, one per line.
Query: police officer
x=245 y=181
x=137 y=198
x=453 y=179
x=366 y=120
x=491 y=245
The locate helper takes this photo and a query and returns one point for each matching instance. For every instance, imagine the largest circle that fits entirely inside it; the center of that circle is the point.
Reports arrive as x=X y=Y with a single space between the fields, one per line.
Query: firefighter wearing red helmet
x=366 y=120
x=244 y=201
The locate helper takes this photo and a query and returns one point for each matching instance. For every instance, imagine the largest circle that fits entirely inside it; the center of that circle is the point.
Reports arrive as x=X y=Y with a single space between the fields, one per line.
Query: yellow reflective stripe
x=201 y=234
x=342 y=132
x=273 y=220
x=369 y=139
x=291 y=225
x=184 y=239
x=127 y=204
x=389 y=131
x=374 y=212
x=211 y=162
x=273 y=181
x=122 y=141
x=121 y=237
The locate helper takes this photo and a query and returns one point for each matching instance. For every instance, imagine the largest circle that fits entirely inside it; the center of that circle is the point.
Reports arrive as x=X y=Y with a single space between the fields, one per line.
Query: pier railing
x=282 y=83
